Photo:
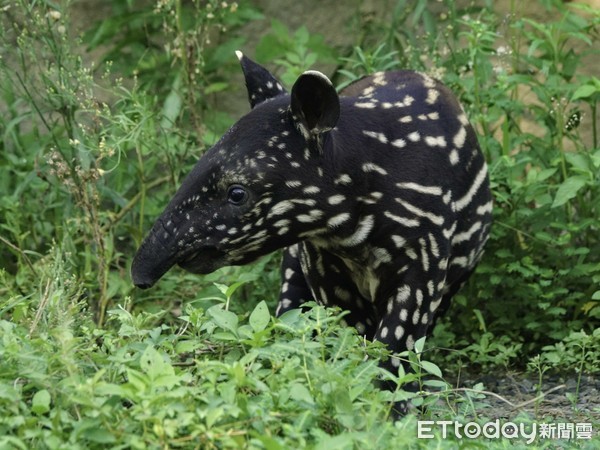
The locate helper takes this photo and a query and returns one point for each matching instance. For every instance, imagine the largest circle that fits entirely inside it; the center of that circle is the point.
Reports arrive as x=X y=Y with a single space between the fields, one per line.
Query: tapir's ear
x=260 y=83
x=315 y=103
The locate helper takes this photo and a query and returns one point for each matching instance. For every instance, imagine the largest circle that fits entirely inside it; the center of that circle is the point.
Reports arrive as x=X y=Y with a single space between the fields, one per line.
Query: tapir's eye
x=237 y=195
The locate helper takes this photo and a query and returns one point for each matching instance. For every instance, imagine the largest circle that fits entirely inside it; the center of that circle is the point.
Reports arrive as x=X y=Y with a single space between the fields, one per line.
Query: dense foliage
x=98 y=128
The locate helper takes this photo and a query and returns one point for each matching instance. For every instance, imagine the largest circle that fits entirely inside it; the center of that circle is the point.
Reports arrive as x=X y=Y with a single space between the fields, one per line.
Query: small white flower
x=502 y=50
x=54 y=15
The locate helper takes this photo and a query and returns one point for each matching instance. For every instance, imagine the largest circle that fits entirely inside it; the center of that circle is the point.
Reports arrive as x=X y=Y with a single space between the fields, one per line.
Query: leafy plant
x=363 y=63
x=221 y=380
x=296 y=52
x=87 y=169
x=544 y=181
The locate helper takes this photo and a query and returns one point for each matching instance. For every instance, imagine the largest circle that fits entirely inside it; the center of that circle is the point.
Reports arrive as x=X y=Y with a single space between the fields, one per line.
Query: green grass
x=91 y=153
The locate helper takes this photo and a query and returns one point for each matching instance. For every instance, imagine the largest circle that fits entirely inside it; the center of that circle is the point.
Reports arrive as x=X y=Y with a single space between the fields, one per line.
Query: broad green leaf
x=268 y=442
x=171 y=109
x=13 y=442
x=172 y=105
x=417 y=401
x=260 y=317
x=234 y=287
x=596 y=159
x=419 y=345
x=187 y=346
x=344 y=440
x=588 y=89
x=431 y=368
x=545 y=174
x=226 y=336
x=567 y=190
x=299 y=392
x=301 y=35
x=584 y=91
x=587 y=307
x=40 y=404
x=98 y=435
x=216 y=87
x=111 y=389
x=222 y=288
x=579 y=161
x=154 y=365
x=437 y=384
x=224 y=319
x=136 y=380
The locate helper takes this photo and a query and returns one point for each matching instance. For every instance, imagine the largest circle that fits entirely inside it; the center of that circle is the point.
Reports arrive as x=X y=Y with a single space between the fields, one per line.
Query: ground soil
x=565 y=399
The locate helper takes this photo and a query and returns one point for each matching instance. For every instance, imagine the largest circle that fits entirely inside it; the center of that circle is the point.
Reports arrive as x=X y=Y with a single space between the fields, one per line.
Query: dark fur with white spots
x=380 y=198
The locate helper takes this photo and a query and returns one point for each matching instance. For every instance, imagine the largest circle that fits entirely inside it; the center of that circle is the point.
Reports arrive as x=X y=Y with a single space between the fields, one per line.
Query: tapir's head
x=248 y=195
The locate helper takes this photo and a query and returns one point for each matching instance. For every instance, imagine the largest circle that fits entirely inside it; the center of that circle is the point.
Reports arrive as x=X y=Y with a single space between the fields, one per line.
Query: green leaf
x=136 y=380
x=154 y=365
x=222 y=288
x=344 y=440
x=480 y=319
x=437 y=384
x=40 y=404
x=216 y=87
x=545 y=174
x=579 y=161
x=111 y=389
x=234 y=287
x=587 y=90
x=187 y=346
x=171 y=109
x=431 y=368
x=584 y=91
x=14 y=443
x=268 y=442
x=299 y=392
x=224 y=319
x=420 y=344
x=172 y=105
x=98 y=435
x=567 y=190
x=260 y=317
x=228 y=290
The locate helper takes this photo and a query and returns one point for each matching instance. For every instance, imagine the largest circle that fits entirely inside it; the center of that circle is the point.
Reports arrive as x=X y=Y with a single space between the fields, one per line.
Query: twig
x=21 y=252
x=43 y=302
x=125 y=208
x=514 y=406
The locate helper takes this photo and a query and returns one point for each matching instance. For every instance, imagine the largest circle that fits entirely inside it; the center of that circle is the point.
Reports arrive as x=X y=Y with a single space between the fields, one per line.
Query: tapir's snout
x=141 y=279
x=151 y=262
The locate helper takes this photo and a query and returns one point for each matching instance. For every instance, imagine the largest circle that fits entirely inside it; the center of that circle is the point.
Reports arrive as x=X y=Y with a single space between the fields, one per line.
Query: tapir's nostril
x=143 y=277
x=141 y=281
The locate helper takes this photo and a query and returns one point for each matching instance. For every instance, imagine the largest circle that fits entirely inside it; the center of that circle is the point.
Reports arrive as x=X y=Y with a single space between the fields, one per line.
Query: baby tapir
x=380 y=198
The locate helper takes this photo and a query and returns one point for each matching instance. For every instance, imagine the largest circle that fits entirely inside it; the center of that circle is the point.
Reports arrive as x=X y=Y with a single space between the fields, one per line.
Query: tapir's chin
x=203 y=261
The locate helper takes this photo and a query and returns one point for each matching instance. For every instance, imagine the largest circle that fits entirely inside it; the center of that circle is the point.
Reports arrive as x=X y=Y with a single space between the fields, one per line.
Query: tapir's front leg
x=294 y=288
x=407 y=313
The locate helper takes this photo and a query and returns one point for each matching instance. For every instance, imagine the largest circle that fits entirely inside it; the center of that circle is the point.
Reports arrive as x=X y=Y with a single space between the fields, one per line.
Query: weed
x=294 y=52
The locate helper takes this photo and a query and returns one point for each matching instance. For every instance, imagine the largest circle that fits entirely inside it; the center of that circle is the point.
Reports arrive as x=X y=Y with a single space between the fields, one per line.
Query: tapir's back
x=411 y=111
x=412 y=129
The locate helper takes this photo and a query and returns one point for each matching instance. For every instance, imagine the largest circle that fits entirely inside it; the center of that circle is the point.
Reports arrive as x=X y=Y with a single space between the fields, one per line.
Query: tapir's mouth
x=203 y=261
